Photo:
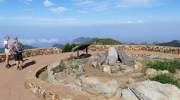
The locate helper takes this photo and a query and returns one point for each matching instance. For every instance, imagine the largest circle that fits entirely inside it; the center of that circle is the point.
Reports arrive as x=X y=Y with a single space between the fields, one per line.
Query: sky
x=54 y=21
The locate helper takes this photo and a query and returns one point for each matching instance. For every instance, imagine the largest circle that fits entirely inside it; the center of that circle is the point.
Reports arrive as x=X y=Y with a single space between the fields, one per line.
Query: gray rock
x=113 y=55
x=150 y=72
x=94 y=85
x=106 y=68
x=52 y=69
x=128 y=95
x=124 y=58
x=151 y=90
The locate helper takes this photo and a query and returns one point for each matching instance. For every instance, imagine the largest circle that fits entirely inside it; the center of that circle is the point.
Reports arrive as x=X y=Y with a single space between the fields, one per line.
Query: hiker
x=7 y=50
x=17 y=48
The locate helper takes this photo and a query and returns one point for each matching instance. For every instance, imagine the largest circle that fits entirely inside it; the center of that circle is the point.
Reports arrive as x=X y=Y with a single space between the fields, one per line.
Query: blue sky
x=63 y=20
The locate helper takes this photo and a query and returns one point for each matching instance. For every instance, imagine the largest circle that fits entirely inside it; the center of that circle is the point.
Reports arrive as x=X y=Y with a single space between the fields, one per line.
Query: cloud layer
x=48 y=3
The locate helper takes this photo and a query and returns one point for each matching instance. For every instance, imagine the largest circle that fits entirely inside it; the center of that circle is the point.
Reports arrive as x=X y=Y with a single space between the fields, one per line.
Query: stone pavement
x=12 y=80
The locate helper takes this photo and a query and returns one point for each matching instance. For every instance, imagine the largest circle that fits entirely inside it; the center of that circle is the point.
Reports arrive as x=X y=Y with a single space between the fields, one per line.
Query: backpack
x=19 y=47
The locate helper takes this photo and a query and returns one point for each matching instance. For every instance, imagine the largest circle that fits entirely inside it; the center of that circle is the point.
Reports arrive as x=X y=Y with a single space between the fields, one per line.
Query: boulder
x=52 y=69
x=151 y=90
x=99 y=86
x=128 y=95
x=112 y=57
x=150 y=72
x=138 y=66
x=124 y=58
x=106 y=68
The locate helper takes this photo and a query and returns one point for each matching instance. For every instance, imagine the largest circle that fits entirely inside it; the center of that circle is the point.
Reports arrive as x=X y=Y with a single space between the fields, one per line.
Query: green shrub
x=170 y=65
x=68 y=47
x=165 y=78
x=178 y=83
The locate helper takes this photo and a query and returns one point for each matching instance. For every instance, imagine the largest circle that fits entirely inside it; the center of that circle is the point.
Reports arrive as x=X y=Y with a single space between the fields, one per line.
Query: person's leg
x=21 y=64
x=21 y=60
x=17 y=64
x=7 y=61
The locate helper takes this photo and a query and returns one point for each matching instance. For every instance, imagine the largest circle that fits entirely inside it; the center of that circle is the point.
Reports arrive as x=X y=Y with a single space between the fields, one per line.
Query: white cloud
x=140 y=21
x=97 y=5
x=137 y=3
x=94 y=5
x=130 y=21
x=59 y=9
x=40 y=40
x=48 y=3
x=39 y=21
x=85 y=2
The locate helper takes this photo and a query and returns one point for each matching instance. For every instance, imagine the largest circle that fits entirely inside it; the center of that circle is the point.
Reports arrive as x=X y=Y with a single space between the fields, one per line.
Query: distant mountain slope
x=58 y=45
x=82 y=40
x=106 y=41
x=96 y=41
x=174 y=43
x=28 y=47
x=1 y=50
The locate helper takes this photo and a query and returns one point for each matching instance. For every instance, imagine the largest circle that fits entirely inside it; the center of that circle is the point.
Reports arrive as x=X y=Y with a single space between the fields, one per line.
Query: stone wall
x=47 y=91
x=152 y=48
x=46 y=51
x=35 y=52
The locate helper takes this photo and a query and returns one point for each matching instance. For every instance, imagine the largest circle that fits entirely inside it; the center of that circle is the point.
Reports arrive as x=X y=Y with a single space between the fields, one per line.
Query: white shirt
x=6 y=43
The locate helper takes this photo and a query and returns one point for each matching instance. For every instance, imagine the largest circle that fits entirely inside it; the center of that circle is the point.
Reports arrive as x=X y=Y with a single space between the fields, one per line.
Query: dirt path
x=12 y=81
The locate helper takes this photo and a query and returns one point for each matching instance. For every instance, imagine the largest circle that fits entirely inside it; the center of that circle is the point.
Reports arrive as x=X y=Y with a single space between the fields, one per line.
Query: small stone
x=94 y=64
x=150 y=72
x=130 y=80
x=138 y=66
x=107 y=69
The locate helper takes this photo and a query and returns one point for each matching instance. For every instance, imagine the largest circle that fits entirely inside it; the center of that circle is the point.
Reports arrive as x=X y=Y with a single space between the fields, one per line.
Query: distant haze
x=123 y=32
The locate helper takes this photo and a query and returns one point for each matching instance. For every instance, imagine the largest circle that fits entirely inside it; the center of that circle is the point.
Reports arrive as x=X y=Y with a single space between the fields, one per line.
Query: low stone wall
x=34 y=52
x=99 y=48
x=48 y=91
x=161 y=49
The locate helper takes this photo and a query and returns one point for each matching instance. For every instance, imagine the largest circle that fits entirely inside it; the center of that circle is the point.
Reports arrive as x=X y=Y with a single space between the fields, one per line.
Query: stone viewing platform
x=109 y=77
x=16 y=85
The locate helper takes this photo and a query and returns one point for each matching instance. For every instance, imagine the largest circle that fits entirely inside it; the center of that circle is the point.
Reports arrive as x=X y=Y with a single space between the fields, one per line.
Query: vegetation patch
x=107 y=41
x=166 y=79
x=174 y=43
x=170 y=65
x=68 y=47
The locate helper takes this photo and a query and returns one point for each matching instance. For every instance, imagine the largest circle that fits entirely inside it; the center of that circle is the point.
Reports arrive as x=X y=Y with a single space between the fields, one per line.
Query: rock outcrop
x=52 y=69
x=99 y=86
x=113 y=56
x=151 y=90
